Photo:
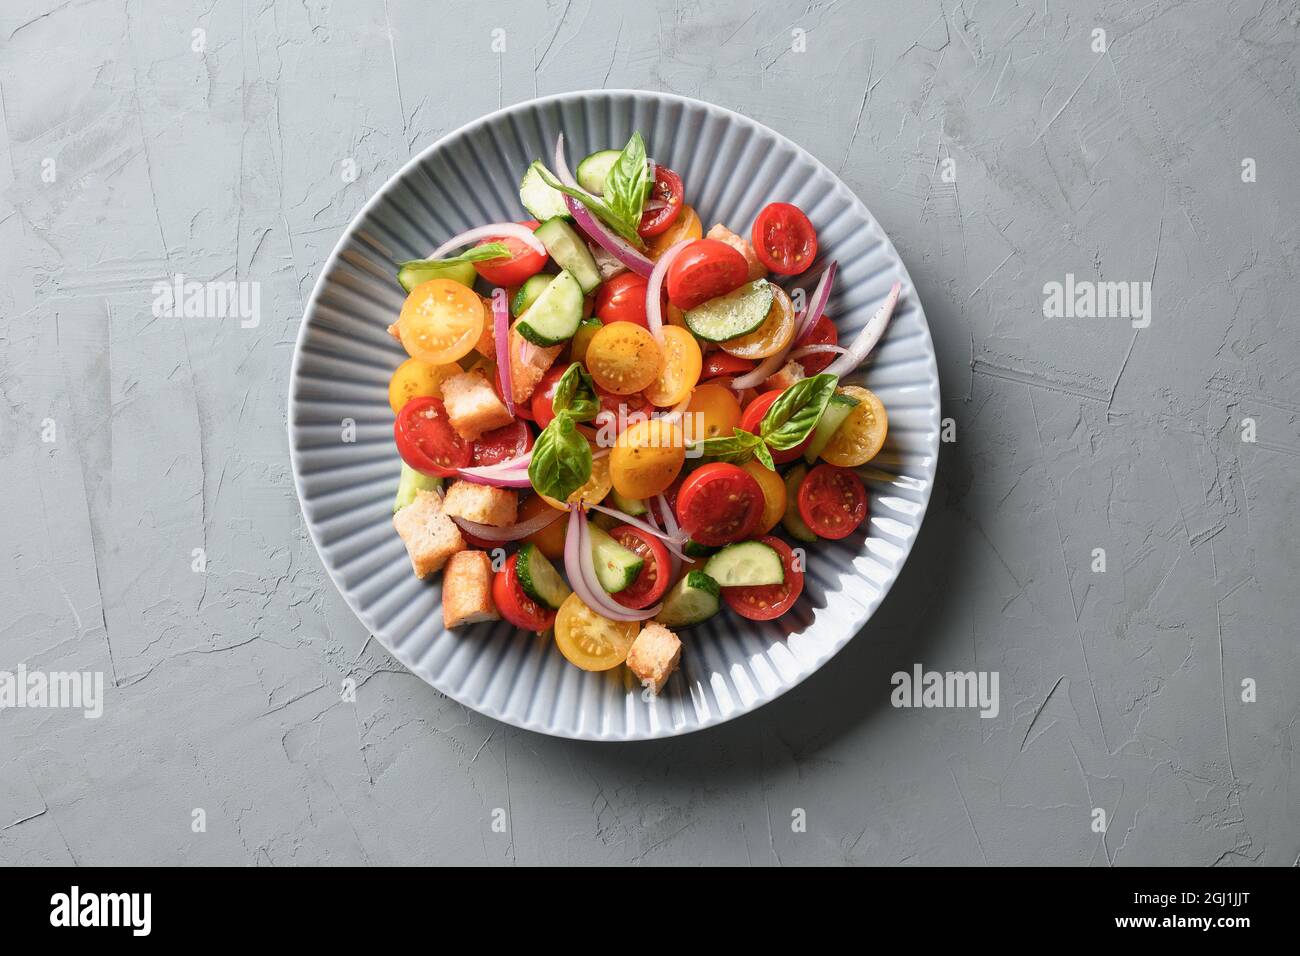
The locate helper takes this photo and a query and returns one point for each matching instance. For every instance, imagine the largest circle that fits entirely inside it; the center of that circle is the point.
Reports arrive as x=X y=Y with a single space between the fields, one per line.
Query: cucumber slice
x=791 y=520
x=539 y=579
x=694 y=549
x=554 y=315
x=691 y=600
x=410 y=483
x=412 y=274
x=730 y=316
x=745 y=565
x=837 y=409
x=593 y=170
x=630 y=506
x=582 y=338
x=569 y=252
x=616 y=566
x=541 y=201
x=528 y=292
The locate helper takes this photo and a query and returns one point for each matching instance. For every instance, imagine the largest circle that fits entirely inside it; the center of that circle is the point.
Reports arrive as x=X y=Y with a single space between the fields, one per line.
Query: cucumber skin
x=693 y=599
x=581 y=259
x=716 y=567
x=410 y=483
x=704 y=333
x=822 y=436
x=586 y=176
x=523 y=570
x=408 y=277
x=529 y=331
x=523 y=299
x=694 y=549
x=601 y=540
x=538 y=186
x=631 y=506
x=792 y=521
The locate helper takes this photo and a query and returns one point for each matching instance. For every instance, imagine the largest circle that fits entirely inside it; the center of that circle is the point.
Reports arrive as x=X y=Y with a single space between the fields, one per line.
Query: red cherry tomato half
x=832 y=501
x=719 y=363
x=705 y=269
x=719 y=503
x=540 y=404
x=524 y=261
x=763 y=602
x=667 y=190
x=502 y=444
x=622 y=299
x=515 y=605
x=425 y=439
x=823 y=332
x=652 y=582
x=784 y=240
x=753 y=417
x=670 y=496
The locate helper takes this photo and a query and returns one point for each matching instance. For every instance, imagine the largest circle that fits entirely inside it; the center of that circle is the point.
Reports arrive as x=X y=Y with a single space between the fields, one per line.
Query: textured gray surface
x=1120 y=691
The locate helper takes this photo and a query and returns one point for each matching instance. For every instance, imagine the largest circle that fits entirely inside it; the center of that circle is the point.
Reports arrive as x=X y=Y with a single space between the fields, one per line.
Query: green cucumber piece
x=616 y=566
x=539 y=579
x=693 y=549
x=629 y=506
x=691 y=600
x=837 y=409
x=570 y=253
x=746 y=564
x=792 y=521
x=730 y=316
x=593 y=170
x=542 y=201
x=582 y=338
x=413 y=273
x=410 y=483
x=554 y=315
x=528 y=292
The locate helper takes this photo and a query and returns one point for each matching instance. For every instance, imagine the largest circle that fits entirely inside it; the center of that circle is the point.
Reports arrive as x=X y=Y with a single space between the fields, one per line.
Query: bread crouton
x=528 y=362
x=756 y=268
x=654 y=655
x=472 y=405
x=430 y=536
x=467 y=590
x=790 y=373
x=482 y=503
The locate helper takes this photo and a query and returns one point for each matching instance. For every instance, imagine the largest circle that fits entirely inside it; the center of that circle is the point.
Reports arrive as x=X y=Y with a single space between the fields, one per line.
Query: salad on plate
x=608 y=414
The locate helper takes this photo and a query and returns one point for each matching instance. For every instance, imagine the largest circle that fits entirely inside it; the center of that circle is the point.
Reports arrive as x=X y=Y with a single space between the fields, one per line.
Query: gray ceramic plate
x=731 y=167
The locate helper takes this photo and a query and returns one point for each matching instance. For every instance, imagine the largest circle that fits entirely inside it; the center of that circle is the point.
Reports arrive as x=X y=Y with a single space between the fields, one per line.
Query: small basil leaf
x=489 y=250
x=764 y=456
x=575 y=395
x=735 y=449
x=628 y=182
x=561 y=462
x=600 y=208
x=795 y=414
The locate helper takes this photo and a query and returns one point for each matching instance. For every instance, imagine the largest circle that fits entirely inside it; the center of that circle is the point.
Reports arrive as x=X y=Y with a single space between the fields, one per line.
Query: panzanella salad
x=608 y=414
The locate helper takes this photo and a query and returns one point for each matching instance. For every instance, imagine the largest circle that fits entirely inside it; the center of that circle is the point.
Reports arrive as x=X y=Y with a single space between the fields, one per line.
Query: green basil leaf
x=600 y=208
x=489 y=250
x=764 y=456
x=795 y=414
x=575 y=395
x=735 y=449
x=561 y=462
x=627 y=184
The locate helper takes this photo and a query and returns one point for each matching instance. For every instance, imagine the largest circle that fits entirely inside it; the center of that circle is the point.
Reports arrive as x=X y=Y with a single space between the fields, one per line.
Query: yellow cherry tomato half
x=774 y=495
x=414 y=378
x=714 y=410
x=680 y=371
x=582 y=338
x=772 y=336
x=591 y=493
x=675 y=316
x=687 y=225
x=550 y=540
x=441 y=321
x=624 y=357
x=861 y=436
x=647 y=458
x=590 y=641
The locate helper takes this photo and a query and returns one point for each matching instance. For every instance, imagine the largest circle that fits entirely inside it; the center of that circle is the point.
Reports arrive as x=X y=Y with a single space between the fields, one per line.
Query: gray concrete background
x=1120 y=691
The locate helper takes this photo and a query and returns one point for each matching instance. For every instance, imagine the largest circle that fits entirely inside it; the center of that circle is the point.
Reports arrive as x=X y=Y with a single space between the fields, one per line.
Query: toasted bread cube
x=472 y=405
x=482 y=503
x=430 y=536
x=654 y=655
x=756 y=268
x=790 y=373
x=528 y=362
x=395 y=331
x=467 y=589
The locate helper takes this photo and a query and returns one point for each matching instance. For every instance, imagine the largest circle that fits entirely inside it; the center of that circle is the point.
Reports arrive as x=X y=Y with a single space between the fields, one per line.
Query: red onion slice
x=504 y=474
x=512 y=533
x=581 y=570
x=868 y=337
x=805 y=350
x=653 y=313
x=671 y=526
x=760 y=373
x=673 y=544
x=501 y=332
x=494 y=230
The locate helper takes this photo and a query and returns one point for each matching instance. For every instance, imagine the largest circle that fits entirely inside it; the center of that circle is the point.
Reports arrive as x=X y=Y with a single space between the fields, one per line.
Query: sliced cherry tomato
x=774 y=495
x=502 y=444
x=622 y=299
x=772 y=336
x=652 y=582
x=624 y=358
x=719 y=503
x=414 y=377
x=832 y=501
x=441 y=321
x=784 y=239
x=719 y=363
x=647 y=458
x=860 y=436
x=617 y=414
x=670 y=496
x=514 y=604
x=551 y=538
x=524 y=261
x=753 y=417
x=713 y=412
x=667 y=190
x=823 y=332
x=687 y=226
x=540 y=403
x=764 y=602
x=704 y=270
x=590 y=641
x=680 y=371
x=426 y=441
